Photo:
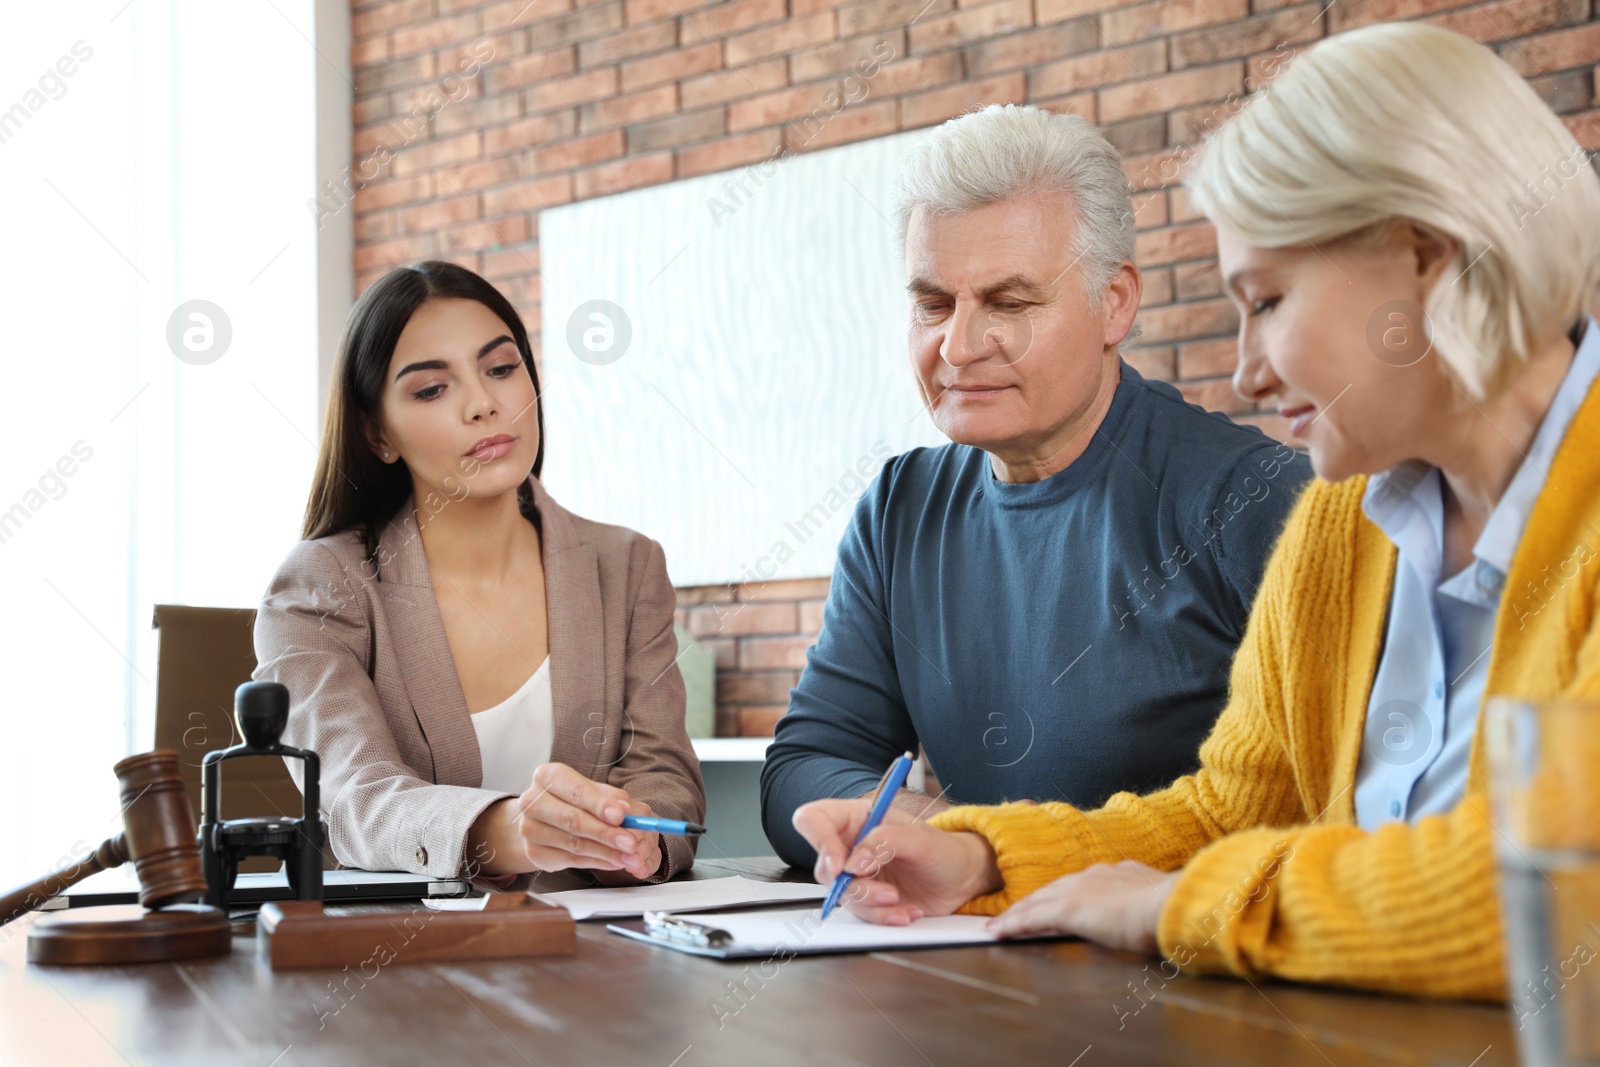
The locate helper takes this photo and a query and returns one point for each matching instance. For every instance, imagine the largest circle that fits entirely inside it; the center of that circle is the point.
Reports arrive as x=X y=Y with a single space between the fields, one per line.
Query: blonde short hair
x=1408 y=121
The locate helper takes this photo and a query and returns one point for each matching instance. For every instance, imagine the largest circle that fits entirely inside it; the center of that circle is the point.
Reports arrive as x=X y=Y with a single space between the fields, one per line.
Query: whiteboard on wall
x=725 y=363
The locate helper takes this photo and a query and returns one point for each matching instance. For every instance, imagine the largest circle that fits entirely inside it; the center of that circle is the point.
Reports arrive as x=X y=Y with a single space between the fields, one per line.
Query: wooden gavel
x=158 y=835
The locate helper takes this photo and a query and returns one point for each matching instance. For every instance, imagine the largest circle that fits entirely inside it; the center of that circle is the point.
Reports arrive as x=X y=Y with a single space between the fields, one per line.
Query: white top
x=515 y=735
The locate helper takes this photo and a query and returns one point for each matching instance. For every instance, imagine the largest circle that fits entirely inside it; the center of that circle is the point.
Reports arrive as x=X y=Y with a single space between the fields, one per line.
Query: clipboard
x=787 y=932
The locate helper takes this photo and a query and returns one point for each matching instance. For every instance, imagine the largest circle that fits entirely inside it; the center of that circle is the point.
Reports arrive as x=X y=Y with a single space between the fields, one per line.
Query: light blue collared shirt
x=1423 y=708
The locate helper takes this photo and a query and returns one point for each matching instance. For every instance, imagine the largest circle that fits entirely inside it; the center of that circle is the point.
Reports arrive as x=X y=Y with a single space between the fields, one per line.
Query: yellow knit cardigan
x=1277 y=878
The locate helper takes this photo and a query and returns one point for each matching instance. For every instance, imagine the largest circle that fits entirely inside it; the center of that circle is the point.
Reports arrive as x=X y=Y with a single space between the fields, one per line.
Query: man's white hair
x=1011 y=150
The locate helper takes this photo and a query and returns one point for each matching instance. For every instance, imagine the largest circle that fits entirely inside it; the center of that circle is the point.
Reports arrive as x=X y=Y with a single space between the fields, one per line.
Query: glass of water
x=1544 y=767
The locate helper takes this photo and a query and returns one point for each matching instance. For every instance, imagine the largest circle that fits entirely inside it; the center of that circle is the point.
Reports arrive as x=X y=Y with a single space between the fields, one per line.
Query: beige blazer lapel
x=577 y=648
x=577 y=640
x=423 y=652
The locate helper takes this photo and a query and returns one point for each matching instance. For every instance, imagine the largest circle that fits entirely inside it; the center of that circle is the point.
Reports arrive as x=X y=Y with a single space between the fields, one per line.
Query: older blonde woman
x=1413 y=240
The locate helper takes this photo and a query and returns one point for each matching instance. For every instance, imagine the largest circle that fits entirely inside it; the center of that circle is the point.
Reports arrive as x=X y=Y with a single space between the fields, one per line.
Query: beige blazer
x=373 y=689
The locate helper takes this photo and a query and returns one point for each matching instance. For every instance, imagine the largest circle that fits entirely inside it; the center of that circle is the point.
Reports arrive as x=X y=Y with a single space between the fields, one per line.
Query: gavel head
x=262 y=711
x=158 y=827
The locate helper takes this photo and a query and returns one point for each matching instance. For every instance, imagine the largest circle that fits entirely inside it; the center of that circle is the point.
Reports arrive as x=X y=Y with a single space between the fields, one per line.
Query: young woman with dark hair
x=490 y=680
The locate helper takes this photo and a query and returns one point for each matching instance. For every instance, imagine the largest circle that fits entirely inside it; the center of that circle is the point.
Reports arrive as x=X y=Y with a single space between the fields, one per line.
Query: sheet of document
x=800 y=930
x=631 y=901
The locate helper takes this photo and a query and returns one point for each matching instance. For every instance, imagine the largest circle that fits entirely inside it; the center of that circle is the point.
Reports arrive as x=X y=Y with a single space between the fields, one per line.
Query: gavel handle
x=113 y=852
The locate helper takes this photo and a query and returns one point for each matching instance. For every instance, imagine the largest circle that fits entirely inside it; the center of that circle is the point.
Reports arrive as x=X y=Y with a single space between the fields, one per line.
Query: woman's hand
x=1113 y=904
x=565 y=820
x=903 y=869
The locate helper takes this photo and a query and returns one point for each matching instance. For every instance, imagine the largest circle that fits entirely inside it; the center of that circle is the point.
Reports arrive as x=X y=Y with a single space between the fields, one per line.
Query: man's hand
x=1113 y=904
x=565 y=820
x=903 y=869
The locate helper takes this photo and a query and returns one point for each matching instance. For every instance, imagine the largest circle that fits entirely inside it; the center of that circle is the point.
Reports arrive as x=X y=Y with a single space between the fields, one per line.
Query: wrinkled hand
x=903 y=870
x=565 y=820
x=1113 y=904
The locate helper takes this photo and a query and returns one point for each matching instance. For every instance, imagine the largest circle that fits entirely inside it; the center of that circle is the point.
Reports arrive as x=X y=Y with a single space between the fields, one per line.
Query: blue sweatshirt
x=1057 y=640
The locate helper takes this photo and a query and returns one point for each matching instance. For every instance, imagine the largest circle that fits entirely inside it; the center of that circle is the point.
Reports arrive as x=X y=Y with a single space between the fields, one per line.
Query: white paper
x=698 y=895
x=803 y=930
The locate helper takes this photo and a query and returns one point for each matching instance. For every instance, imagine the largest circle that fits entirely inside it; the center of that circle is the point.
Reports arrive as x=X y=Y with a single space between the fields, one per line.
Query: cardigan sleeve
x=1409 y=908
x=312 y=634
x=1245 y=778
x=656 y=761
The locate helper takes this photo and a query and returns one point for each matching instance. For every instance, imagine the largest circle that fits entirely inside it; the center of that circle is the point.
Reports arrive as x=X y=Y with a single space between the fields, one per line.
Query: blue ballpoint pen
x=888 y=787
x=665 y=826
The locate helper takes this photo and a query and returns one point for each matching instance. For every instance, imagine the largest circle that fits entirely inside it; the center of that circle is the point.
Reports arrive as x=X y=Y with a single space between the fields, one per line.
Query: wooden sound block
x=300 y=933
x=129 y=934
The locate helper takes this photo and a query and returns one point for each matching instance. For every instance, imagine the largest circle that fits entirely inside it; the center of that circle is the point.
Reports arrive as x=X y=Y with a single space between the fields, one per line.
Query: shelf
x=731 y=749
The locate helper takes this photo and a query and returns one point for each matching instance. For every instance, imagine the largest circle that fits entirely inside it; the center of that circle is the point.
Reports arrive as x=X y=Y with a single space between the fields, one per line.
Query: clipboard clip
x=669 y=927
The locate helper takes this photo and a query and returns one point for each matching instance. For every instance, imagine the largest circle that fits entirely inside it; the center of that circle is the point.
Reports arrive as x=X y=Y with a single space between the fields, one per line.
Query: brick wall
x=471 y=117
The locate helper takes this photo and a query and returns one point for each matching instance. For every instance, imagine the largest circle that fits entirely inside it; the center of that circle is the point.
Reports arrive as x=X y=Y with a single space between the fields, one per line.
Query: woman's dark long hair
x=352 y=488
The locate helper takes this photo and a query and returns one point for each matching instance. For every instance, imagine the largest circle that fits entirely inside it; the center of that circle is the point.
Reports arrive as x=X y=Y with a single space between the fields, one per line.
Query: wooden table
x=618 y=1002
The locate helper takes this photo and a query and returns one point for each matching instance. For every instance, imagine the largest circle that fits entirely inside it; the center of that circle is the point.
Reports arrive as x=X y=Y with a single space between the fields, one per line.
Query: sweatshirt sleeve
x=847 y=719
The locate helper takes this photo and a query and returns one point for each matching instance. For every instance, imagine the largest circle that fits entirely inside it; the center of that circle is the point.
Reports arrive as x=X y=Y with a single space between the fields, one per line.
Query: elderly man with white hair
x=1048 y=605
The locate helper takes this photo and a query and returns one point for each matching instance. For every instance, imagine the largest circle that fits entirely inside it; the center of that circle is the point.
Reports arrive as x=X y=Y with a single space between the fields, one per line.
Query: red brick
x=972 y=24
x=782 y=106
x=782 y=39
x=429 y=36
x=531 y=70
x=1167 y=91
x=578 y=89
x=1150 y=210
x=1492 y=23
x=485 y=234
x=1196 y=281
x=638 y=11
x=678 y=130
x=923 y=72
x=431 y=154
x=784 y=589
x=473 y=176
x=532 y=195
x=760 y=721
x=1166 y=17
x=1215 y=394
x=1151 y=362
x=1156 y=287
x=1202 y=318
x=759 y=687
x=1085 y=105
x=635 y=42
x=623 y=175
x=735 y=84
x=477 y=114
x=624 y=110
x=1175 y=243
x=527 y=133
x=387 y=254
x=1262 y=33
x=1100 y=68
x=1207 y=359
x=435 y=214
x=387 y=16
x=872 y=15
x=853 y=56
x=1577 y=47
x=581 y=24
x=857 y=122
x=1034 y=46
x=925 y=109
x=811 y=616
x=730 y=152
x=1061 y=10
x=730 y=18
x=579 y=152
x=737 y=620
x=768 y=653
x=670 y=66
x=375 y=196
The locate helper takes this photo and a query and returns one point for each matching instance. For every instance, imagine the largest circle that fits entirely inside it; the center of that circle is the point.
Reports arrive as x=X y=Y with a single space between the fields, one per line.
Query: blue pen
x=890 y=785
x=665 y=826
